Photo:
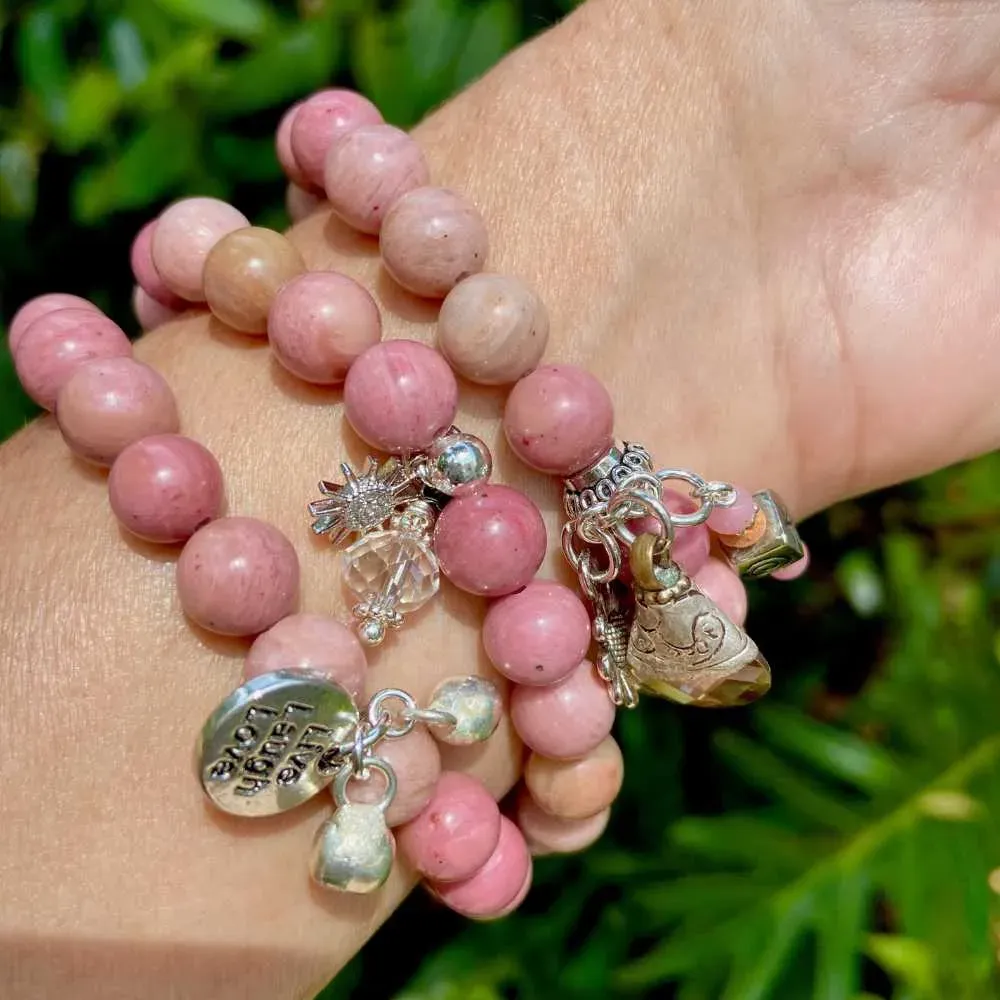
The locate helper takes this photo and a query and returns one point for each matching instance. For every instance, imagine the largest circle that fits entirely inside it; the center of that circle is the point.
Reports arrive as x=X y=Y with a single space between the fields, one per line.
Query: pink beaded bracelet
x=649 y=559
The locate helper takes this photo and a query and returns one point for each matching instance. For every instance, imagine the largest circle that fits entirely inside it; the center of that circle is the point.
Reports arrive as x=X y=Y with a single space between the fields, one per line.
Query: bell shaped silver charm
x=681 y=645
x=354 y=849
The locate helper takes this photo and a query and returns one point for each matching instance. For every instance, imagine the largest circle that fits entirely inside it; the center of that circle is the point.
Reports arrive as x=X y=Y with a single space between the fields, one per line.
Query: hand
x=766 y=226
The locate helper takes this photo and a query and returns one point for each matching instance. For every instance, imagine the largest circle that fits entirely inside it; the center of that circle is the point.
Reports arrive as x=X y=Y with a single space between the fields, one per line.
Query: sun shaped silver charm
x=362 y=502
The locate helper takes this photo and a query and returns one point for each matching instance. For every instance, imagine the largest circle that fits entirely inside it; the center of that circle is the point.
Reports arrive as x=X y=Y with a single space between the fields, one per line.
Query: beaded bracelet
x=643 y=553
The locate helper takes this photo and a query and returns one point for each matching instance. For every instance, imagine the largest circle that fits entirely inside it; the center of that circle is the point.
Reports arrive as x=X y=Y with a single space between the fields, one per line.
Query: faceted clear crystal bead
x=392 y=564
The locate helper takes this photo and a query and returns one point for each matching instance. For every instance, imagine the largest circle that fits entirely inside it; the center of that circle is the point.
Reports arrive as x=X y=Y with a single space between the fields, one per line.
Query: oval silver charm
x=259 y=749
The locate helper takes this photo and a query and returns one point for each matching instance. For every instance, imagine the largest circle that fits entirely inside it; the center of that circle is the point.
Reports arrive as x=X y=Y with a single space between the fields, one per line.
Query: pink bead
x=368 y=169
x=522 y=895
x=491 y=541
x=722 y=585
x=238 y=576
x=164 y=488
x=491 y=890
x=432 y=238
x=732 y=520
x=795 y=569
x=547 y=834
x=559 y=419
x=145 y=273
x=40 y=305
x=300 y=203
x=320 y=323
x=538 y=635
x=400 y=395
x=567 y=719
x=58 y=343
x=416 y=760
x=322 y=119
x=149 y=312
x=283 y=149
x=184 y=234
x=456 y=832
x=310 y=642
x=107 y=404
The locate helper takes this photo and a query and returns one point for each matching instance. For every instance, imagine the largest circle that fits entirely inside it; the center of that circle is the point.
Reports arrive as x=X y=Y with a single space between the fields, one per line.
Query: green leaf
x=746 y=839
x=127 y=52
x=93 y=101
x=839 y=754
x=861 y=582
x=906 y=959
x=18 y=179
x=246 y=20
x=493 y=33
x=286 y=66
x=245 y=159
x=42 y=61
x=841 y=921
x=149 y=166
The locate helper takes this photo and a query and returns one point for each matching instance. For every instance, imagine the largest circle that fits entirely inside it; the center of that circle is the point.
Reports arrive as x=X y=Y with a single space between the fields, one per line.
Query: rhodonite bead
x=37 y=307
x=559 y=419
x=150 y=313
x=58 y=343
x=567 y=719
x=491 y=541
x=107 y=404
x=243 y=273
x=455 y=833
x=320 y=323
x=238 y=576
x=547 y=834
x=417 y=762
x=322 y=119
x=539 y=634
x=732 y=520
x=184 y=235
x=400 y=395
x=575 y=789
x=493 y=889
x=431 y=239
x=164 y=487
x=283 y=149
x=310 y=642
x=492 y=328
x=144 y=271
x=367 y=169
x=721 y=584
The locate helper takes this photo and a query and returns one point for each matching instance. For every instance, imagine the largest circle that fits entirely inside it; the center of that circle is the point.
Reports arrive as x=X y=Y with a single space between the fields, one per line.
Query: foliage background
x=838 y=842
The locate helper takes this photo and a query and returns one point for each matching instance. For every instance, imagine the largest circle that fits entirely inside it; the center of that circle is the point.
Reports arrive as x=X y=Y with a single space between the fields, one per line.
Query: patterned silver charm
x=362 y=502
x=258 y=751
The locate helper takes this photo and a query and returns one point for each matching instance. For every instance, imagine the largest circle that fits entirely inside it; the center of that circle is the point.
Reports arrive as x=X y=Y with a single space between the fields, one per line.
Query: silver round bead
x=371 y=632
x=457 y=461
x=474 y=703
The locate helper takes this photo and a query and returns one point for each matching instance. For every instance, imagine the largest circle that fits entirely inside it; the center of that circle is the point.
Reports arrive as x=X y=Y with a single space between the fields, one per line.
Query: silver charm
x=258 y=751
x=602 y=480
x=470 y=708
x=612 y=624
x=393 y=572
x=362 y=502
x=354 y=850
x=778 y=546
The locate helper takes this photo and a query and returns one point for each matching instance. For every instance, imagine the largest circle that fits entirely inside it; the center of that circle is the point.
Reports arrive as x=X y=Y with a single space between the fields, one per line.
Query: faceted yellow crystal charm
x=681 y=645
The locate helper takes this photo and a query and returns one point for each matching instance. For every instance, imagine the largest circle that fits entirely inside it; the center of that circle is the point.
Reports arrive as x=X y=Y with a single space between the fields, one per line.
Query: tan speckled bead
x=575 y=789
x=493 y=329
x=243 y=274
x=548 y=834
x=431 y=239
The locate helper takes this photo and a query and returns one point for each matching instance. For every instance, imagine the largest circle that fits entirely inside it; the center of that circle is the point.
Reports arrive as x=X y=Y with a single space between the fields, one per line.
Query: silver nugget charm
x=682 y=646
x=259 y=750
x=778 y=545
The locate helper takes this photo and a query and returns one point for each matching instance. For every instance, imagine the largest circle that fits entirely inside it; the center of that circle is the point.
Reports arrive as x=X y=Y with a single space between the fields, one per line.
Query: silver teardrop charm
x=354 y=849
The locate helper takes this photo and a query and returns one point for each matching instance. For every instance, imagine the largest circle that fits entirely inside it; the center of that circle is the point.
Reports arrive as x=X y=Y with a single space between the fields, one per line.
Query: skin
x=771 y=227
